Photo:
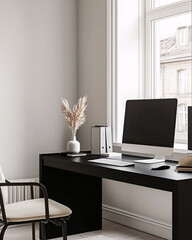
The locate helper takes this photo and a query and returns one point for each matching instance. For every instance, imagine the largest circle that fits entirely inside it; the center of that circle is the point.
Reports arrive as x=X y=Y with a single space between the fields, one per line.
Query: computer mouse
x=163 y=167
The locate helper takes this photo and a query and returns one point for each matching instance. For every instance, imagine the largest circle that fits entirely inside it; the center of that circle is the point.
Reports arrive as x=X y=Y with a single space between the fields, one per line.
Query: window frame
x=147 y=15
x=153 y=15
x=112 y=63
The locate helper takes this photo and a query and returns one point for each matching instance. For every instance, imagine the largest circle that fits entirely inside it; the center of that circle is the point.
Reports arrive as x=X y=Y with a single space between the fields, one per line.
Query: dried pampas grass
x=75 y=117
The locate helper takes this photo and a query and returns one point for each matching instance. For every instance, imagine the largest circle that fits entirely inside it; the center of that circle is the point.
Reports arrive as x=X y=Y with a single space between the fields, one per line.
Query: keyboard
x=112 y=162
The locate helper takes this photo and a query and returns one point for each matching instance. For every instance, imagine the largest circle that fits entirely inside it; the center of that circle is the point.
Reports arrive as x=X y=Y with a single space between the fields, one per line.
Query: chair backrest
x=3 y=189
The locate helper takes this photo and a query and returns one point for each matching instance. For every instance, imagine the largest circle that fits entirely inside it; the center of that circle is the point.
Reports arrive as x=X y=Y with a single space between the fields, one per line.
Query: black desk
x=78 y=184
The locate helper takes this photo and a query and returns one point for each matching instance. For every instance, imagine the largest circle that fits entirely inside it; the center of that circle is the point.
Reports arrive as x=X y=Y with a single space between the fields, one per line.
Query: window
x=126 y=58
x=169 y=65
x=182 y=82
x=152 y=57
x=182 y=118
x=182 y=38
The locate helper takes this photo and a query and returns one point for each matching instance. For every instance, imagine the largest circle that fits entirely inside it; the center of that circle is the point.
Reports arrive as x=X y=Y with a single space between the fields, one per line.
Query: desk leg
x=81 y=193
x=182 y=211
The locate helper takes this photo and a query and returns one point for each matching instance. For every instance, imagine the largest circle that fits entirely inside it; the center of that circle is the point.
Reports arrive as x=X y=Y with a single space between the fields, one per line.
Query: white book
x=98 y=141
x=109 y=146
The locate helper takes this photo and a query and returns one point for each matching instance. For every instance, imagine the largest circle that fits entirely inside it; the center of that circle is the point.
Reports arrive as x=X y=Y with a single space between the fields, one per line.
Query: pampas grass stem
x=74 y=117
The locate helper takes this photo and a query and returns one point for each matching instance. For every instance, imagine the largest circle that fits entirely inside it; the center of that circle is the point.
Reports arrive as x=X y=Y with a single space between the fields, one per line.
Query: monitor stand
x=156 y=159
x=159 y=157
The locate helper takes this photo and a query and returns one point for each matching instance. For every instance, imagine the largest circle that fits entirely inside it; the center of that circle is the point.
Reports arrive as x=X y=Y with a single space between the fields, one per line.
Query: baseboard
x=138 y=222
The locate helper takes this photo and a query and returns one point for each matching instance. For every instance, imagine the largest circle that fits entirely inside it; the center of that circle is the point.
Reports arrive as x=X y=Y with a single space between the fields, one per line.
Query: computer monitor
x=149 y=127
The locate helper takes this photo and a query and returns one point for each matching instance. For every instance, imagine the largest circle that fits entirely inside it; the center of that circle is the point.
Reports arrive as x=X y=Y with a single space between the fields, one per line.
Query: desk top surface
x=82 y=165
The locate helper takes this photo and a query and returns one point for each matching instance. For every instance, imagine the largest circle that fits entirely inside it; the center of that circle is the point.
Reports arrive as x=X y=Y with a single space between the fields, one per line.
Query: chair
x=42 y=210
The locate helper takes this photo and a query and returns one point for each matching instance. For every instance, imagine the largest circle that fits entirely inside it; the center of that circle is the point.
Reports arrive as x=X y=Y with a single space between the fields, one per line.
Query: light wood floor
x=110 y=231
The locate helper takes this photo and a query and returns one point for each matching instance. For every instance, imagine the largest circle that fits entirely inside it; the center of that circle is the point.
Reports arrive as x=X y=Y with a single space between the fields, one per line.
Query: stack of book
x=184 y=164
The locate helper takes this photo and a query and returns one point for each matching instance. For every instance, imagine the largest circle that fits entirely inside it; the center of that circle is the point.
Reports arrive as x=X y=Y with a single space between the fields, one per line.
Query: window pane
x=182 y=82
x=172 y=66
x=182 y=118
x=159 y=3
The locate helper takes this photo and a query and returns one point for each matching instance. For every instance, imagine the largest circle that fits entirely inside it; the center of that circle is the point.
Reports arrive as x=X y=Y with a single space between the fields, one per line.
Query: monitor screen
x=150 y=122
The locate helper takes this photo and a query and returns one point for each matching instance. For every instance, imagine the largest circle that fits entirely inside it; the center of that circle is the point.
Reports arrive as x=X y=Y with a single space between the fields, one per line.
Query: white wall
x=37 y=68
x=92 y=63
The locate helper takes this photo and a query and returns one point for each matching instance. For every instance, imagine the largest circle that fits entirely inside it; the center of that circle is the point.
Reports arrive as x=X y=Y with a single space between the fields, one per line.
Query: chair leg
x=33 y=231
x=64 y=229
x=43 y=233
x=3 y=232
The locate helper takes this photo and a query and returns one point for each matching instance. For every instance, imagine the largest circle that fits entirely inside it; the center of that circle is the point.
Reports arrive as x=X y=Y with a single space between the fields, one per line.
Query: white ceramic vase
x=73 y=146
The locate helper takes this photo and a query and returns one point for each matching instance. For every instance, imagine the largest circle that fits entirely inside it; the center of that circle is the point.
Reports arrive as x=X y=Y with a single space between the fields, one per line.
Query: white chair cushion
x=34 y=209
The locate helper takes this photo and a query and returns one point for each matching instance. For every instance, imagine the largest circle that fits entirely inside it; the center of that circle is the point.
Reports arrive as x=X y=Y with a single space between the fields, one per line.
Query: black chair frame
x=57 y=221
